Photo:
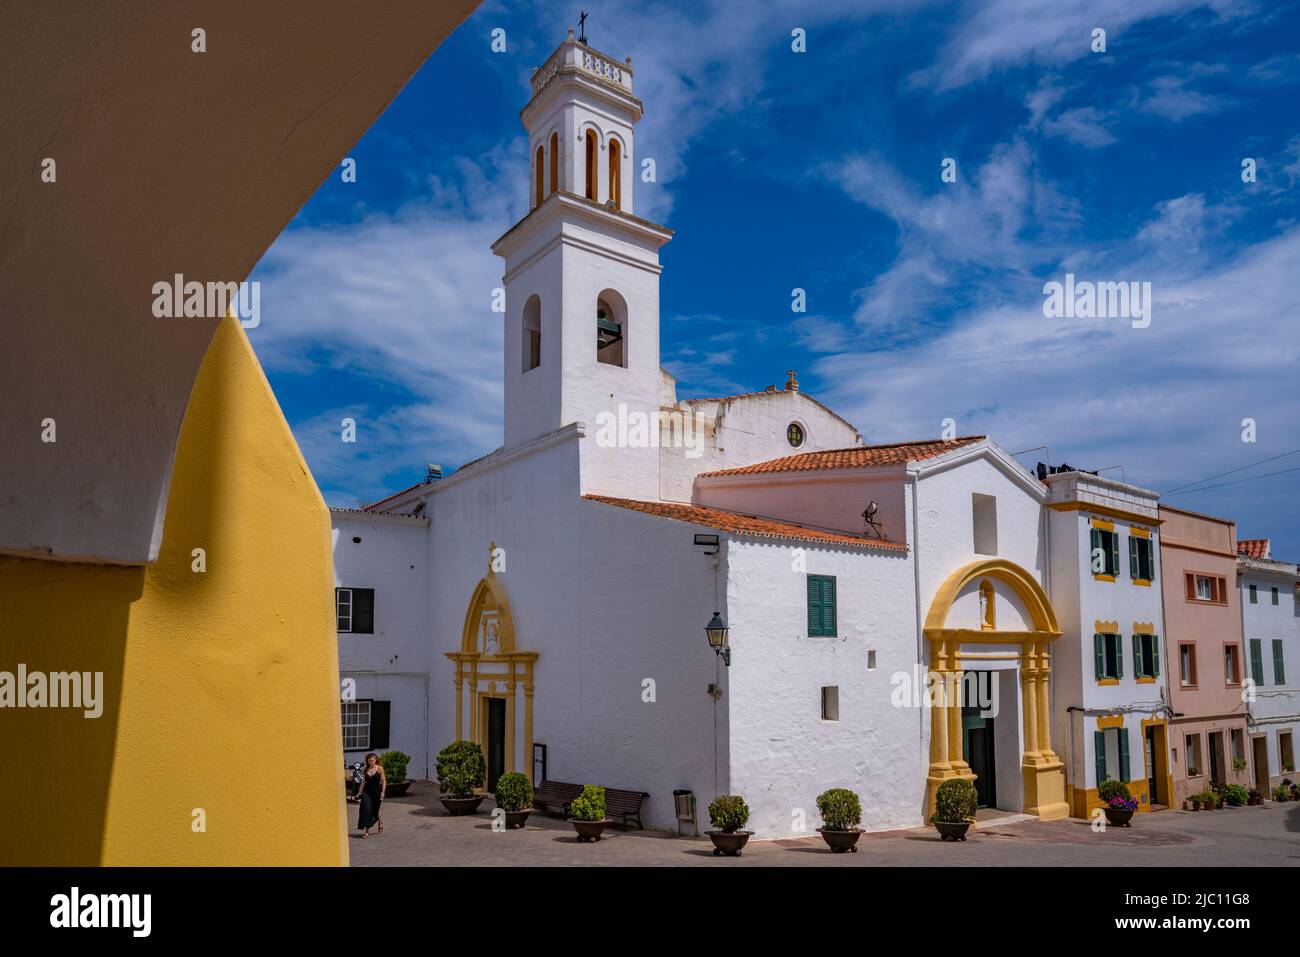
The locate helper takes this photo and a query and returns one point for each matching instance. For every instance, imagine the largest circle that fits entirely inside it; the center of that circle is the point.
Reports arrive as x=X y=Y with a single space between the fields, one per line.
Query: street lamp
x=716 y=630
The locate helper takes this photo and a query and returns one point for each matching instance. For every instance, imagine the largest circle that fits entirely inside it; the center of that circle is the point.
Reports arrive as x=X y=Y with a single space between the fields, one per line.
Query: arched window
x=537 y=197
x=555 y=161
x=591 y=168
x=615 y=179
x=611 y=329
x=532 y=344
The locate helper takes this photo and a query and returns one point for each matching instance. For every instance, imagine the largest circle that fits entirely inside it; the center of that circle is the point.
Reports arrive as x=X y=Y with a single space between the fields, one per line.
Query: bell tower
x=582 y=277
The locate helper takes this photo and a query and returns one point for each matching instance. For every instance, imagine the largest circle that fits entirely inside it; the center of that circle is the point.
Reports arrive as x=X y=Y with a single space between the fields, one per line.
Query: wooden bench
x=622 y=805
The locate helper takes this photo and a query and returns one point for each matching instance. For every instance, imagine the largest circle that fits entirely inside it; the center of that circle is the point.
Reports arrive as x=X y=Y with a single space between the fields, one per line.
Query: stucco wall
x=1276 y=708
x=202 y=671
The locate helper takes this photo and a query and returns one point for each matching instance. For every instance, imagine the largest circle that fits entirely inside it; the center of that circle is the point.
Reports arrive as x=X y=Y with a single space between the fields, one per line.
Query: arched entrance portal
x=951 y=654
x=489 y=671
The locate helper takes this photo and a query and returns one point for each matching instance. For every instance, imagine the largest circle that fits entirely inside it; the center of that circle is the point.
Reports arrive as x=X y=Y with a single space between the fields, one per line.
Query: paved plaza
x=419 y=832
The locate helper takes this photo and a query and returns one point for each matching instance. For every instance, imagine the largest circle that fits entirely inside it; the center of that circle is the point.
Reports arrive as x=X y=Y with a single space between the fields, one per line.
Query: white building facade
x=890 y=625
x=1270 y=618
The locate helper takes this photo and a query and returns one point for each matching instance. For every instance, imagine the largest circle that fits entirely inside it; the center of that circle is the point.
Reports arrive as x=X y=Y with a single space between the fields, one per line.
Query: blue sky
x=821 y=170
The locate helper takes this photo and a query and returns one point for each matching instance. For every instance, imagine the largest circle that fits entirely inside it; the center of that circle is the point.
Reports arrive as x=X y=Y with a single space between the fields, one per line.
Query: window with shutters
x=1284 y=751
x=1104 y=554
x=821 y=606
x=1146 y=657
x=1111 y=754
x=1109 y=655
x=1275 y=596
x=1231 y=666
x=1257 y=661
x=1187 y=664
x=1254 y=595
x=356 y=725
x=355 y=609
x=1141 y=559
x=1279 y=666
x=1210 y=589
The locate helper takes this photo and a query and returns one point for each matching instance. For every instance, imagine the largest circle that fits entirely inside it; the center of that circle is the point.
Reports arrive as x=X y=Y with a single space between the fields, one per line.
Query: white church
x=550 y=599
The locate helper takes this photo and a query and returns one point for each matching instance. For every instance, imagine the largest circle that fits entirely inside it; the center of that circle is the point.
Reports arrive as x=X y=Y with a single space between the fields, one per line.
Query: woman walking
x=373 y=786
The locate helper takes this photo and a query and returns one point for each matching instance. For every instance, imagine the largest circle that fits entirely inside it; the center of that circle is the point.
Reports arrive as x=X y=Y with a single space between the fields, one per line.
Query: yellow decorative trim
x=1103 y=578
x=1110 y=721
x=1107 y=681
x=1141 y=582
x=1103 y=524
x=1146 y=681
x=1143 y=628
x=1106 y=627
x=1105 y=510
x=1139 y=532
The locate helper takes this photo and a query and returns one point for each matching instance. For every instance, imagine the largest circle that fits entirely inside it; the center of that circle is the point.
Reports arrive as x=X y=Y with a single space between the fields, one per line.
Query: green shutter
x=1279 y=672
x=1099 y=649
x=814 y=606
x=1119 y=656
x=1114 y=554
x=1092 y=552
x=1155 y=656
x=1099 y=745
x=1123 y=755
x=1134 y=571
x=828 y=605
x=1138 y=670
x=1256 y=661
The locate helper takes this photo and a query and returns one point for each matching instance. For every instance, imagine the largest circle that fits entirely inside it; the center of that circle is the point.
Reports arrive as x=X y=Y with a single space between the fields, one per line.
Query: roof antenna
x=582 y=28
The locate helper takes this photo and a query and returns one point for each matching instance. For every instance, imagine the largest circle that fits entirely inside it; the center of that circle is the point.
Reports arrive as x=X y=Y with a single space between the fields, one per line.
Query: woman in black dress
x=373 y=786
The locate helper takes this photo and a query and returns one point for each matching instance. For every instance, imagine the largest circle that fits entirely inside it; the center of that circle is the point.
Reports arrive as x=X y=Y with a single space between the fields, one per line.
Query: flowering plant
x=1123 y=804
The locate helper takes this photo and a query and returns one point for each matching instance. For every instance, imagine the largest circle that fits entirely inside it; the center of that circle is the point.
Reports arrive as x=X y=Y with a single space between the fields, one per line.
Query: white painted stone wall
x=783 y=754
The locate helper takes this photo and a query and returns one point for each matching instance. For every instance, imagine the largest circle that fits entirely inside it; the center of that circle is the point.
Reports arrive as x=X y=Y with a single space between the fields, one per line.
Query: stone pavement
x=419 y=832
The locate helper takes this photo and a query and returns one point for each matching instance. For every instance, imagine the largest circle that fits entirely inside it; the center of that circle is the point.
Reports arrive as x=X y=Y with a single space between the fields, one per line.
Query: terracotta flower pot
x=516 y=819
x=952 y=831
x=728 y=843
x=589 y=830
x=841 y=841
x=462 y=805
x=1118 y=817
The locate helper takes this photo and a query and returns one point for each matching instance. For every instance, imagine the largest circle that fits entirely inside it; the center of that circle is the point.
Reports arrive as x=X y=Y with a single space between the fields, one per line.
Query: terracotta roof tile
x=1253 y=547
x=860 y=456
x=376 y=506
x=745 y=524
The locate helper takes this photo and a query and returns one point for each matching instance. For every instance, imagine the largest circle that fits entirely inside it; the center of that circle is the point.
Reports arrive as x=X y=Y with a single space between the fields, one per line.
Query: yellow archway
x=489 y=665
x=1041 y=768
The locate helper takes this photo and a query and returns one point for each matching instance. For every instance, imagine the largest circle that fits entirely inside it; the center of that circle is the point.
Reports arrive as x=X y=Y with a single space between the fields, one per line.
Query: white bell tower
x=582 y=277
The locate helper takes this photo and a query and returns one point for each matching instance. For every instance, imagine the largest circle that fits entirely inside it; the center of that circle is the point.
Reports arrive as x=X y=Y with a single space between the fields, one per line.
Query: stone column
x=510 y=720
x=1029 y=688
x=1044 y=704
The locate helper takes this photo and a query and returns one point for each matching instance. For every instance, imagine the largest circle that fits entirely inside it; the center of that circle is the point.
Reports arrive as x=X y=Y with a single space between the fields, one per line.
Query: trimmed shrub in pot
x=955 y=804
x=461 y=770
x=1236 y=795
x=841 y=813
x=515 y=797
x=1118 y=803
x=728 y=814
x=394 y=764
x=588 y=810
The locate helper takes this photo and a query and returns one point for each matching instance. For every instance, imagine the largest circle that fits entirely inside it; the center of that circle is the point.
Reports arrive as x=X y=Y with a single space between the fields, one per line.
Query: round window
x=794 y=434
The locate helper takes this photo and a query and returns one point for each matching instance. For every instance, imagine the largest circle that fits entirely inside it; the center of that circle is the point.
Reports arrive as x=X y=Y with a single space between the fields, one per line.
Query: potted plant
x=1238 y=764
x=1236 y=795
x=1117 y=803
x=588 y=810
x=728 y=814
x=1254 y=797
x=394 y=764
x=955 y=804
x=460 y=774
x=515 y=797
x=1210 y=800
x=1280 y=793
x=841 y=813
x=1194 y=800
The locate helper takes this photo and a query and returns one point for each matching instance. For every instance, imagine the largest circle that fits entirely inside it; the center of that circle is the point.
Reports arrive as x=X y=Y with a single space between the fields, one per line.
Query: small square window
x=830 y=703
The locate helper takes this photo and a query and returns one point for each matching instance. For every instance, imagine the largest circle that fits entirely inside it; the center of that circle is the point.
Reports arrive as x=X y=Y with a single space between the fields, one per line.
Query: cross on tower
x=582 y=27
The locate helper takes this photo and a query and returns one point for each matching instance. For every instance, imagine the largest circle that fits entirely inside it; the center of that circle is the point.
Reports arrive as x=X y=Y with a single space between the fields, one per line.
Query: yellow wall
x=203 y=673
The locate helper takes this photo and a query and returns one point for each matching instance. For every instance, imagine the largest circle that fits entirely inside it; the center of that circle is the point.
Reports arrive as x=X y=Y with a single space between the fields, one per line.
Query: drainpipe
x=916 y=601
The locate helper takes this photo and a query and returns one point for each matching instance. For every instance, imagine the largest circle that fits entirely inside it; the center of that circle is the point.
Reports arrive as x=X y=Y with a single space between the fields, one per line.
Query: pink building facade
x=1203 y=645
